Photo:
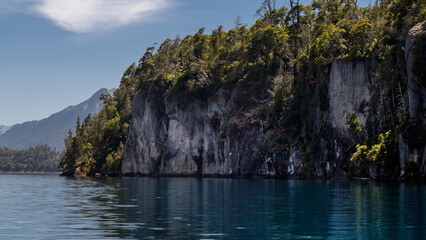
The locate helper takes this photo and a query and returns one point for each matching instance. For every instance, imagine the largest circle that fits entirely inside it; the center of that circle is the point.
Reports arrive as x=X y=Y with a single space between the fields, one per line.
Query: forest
x=288 y=50
x=35 y=159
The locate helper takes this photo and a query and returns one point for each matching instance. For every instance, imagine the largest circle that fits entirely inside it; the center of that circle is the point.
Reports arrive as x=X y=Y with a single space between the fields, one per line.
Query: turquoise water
x=53 y=207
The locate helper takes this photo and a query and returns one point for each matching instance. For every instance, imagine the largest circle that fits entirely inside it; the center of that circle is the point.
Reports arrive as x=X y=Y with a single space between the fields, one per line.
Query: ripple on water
x=211 y=234
x=52 y=207
x=126 y=206
x=156 y=228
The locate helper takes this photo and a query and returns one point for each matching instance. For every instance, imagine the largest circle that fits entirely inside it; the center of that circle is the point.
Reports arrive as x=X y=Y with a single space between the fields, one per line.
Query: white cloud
x=94 y=15
x=91 y=15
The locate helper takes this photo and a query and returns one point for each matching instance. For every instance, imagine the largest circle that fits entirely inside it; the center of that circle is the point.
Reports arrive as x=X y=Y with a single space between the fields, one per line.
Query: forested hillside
x=35 y=159
x=50 y=130
x=283 y=63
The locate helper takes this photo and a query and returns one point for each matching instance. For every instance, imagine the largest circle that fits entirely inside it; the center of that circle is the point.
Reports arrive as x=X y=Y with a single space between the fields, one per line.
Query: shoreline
x=207 y=176
x=30 y=173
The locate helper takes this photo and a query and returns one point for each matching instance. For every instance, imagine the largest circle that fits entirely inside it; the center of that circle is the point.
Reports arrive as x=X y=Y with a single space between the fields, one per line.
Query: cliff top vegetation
x=288 y=51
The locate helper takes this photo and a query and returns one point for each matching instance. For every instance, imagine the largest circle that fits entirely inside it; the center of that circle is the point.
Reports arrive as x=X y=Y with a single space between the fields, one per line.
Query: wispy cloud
x=93 y=15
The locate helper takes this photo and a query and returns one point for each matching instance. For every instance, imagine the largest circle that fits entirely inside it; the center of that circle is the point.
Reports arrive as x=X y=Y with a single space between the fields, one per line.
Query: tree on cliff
x=98 y=142
x=286 y=51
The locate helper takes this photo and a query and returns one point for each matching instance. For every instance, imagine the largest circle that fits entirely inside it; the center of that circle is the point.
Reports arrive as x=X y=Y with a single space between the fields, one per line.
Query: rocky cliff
x=189 y=133
x=323 y=98
x=348 y=90
x=413 y=134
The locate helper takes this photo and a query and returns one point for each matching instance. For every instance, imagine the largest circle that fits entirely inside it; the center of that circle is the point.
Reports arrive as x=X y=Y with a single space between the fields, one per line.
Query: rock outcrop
x=413 y=134
x=348 y=89
x=415 y=88
x=189 y=133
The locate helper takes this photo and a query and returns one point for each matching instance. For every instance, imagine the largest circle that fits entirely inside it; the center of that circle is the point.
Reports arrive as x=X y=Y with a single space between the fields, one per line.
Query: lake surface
x=53 y=207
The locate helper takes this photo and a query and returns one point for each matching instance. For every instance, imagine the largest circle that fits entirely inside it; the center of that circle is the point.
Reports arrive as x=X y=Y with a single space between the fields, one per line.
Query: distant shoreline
x=30 y=173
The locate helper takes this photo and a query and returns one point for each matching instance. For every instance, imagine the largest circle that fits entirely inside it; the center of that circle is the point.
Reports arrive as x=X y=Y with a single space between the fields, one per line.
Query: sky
x=57 y=53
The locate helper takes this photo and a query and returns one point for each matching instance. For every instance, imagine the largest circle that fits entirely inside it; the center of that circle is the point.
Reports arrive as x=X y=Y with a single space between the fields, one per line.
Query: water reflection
x=172 y=208
x=191 y=208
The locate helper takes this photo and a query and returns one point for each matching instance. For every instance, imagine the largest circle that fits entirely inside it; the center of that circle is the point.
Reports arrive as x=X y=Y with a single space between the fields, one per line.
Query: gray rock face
x=411 y=145
x=416 y=93
x=186 y=133
x=147 y=134
x=51 y=130
x=348 y=90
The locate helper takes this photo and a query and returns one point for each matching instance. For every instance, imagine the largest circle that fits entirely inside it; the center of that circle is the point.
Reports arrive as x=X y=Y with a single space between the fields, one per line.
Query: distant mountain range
x=51 y=130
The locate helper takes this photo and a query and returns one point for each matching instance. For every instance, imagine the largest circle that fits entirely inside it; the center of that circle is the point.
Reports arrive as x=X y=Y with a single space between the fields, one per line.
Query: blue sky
x=56 y=53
